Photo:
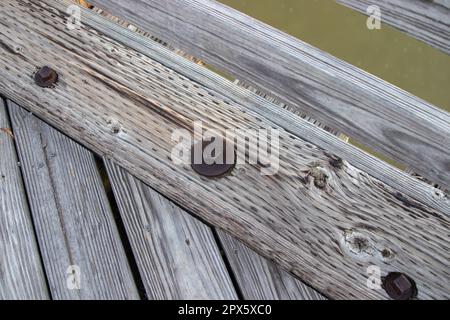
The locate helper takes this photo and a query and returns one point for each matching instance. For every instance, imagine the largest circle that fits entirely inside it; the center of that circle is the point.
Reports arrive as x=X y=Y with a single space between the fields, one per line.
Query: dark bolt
x=45 y=77
x=399 y=286
x=219 y=166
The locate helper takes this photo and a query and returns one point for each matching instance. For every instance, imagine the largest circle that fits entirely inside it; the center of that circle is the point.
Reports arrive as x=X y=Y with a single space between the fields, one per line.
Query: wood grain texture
x=256 y=277
x=129 y=110
x=177 y=255
x=74 y=222
x=445 y=3
x=427 y=21
x=21 y=273
x=286 y=119
x=364 y=107
x=260 y=279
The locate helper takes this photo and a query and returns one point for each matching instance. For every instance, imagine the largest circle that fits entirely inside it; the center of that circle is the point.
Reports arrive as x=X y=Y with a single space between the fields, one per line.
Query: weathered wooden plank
x=21 y=273
x=176 y=254
x=291 y=109
x=377 y=114
x=287 y=120
x=74 y=222
x=256 y=277
x=178 y=257
x=260 y=279
x=445 y=3
x=428 y=21
x=129 y=110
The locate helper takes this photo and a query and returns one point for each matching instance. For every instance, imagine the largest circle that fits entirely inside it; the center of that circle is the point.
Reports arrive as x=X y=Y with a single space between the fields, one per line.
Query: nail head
x=46 y=77
x=216 y=169
x=399 y=286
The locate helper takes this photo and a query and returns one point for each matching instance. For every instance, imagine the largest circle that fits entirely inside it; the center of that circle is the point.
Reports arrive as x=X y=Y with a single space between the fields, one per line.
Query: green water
x=386 y=53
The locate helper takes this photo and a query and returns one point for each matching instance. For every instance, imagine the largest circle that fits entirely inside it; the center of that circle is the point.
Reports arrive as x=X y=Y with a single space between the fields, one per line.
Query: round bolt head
x=399 y=286
x=217 y=166
x=46 y=77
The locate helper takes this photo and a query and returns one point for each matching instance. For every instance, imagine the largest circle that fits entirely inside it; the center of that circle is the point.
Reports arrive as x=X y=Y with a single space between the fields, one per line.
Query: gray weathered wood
x=177 y=255
x=256 y=277
x=21 y=273
x=445 y=3
x=260 y=279
x=377 y=114
x=125 y=106
x=282 y=118
x=74 y=222
x=425 y=20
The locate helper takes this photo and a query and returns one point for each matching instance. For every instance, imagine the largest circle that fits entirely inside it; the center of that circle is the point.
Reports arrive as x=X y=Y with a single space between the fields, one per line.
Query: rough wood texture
x=177 y=255
x=377 y=114
x=256 y=277
x=21 y=273
x=424 y=20
x=128 y=111
x=74 y=222
x=445 y=3
x=260 y=279
x=285 y=119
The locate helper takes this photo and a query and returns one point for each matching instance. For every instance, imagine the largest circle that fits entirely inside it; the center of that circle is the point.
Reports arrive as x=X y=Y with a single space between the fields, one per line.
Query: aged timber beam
x=377 y=114
x=320 y=218
x=285 y=119
x=428 y=21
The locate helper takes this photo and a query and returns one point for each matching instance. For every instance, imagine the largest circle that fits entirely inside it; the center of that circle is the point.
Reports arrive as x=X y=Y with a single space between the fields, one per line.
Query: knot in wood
x=114 y=126
x=320 y=176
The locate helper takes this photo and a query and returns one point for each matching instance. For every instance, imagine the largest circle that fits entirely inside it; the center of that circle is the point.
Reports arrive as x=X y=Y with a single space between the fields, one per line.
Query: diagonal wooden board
x=256 y=277
x=129 y=117
x=164 y=237
x=260 y=279
x=379 y=115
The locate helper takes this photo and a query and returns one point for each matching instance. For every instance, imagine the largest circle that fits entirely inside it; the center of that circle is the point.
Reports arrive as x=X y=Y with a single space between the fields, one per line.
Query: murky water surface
x=386 y=53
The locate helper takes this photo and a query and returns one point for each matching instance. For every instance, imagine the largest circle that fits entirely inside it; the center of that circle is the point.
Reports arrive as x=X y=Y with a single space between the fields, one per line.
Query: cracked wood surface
x=21 y=274
x=424 y=20
x=128 y=111
x=349 y=100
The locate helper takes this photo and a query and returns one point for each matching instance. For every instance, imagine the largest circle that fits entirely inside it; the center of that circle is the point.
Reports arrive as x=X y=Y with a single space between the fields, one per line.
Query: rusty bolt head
x=219 y=167
x=399 y=286
x=46 y=77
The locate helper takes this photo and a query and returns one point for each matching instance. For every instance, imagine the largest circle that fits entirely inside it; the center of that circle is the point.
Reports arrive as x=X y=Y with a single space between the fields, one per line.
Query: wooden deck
x=89 y=190
x=61 y=206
